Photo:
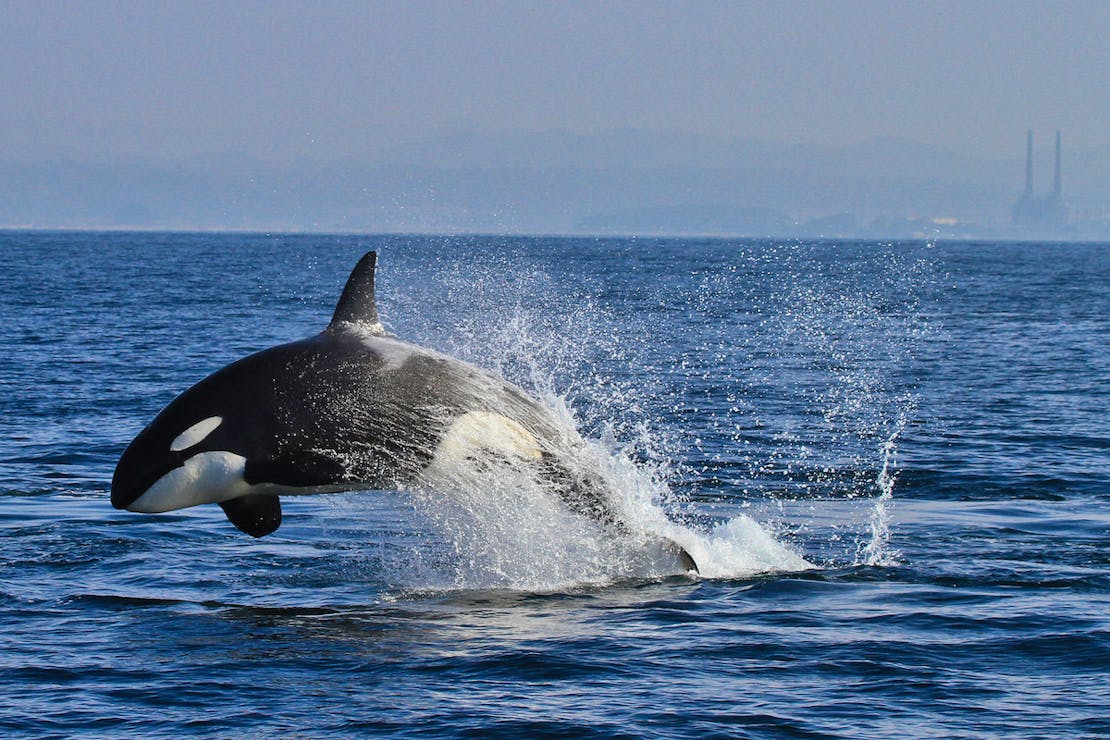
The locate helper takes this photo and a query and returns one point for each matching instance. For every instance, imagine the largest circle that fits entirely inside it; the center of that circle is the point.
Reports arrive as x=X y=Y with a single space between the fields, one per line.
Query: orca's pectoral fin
x=258 y=514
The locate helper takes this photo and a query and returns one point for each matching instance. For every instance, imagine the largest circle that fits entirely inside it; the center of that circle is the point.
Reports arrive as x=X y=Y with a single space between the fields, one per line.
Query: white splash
x=877 y=550
x=740 y=548
x=828 y=345
x=508 y=527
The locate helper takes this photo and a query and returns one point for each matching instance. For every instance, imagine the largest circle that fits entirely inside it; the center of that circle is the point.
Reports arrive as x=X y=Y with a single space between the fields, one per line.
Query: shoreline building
x=1047 y=213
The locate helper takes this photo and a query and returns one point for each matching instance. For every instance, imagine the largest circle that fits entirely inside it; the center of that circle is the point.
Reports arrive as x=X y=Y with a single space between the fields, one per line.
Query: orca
x=351 y=408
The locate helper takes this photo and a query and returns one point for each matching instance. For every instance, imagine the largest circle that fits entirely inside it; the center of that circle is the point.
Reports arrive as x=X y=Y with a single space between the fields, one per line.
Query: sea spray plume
x=550 y=330
x=356 y=408
x=877 y=551
x=798 y=363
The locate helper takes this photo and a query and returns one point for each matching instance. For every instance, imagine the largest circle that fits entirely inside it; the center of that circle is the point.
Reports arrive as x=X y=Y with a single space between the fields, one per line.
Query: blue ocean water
x=924 y=423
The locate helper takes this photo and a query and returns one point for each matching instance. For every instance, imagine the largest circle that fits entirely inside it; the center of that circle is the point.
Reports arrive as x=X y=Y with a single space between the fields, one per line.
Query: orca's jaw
x=204 y=478
x=128 y=485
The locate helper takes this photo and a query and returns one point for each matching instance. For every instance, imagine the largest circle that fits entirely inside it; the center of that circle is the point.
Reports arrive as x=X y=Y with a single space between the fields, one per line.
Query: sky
x=281 y=80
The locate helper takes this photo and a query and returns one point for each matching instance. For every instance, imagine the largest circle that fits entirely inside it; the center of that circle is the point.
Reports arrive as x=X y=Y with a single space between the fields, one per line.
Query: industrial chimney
x=1046 y=215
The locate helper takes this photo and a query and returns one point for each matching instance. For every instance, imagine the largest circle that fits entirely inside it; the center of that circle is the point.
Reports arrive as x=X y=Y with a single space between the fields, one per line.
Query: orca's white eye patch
x=195 y=434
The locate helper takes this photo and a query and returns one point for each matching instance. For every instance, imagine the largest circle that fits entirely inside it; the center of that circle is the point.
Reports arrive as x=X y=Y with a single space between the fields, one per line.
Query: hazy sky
x=280 y=79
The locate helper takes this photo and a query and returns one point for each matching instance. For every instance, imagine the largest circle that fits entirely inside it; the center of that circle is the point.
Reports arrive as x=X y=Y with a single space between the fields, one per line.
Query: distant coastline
x=612 y=183
x=878 y=238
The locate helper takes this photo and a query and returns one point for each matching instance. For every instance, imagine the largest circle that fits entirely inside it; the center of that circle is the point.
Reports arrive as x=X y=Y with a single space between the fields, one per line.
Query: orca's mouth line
x=121 y=498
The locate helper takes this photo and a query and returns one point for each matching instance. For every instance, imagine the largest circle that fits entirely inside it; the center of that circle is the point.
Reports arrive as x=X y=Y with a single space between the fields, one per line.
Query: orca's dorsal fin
x=356 y=305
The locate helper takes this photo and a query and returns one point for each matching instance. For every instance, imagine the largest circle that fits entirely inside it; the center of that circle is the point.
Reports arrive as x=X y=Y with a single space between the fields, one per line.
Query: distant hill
x=689 y=219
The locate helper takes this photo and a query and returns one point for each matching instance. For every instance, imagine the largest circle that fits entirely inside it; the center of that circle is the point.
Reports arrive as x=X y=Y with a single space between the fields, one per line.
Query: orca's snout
x=124 y=492
x=132 y=479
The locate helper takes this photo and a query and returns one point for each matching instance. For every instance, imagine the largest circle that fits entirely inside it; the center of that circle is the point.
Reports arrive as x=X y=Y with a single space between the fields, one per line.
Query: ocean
x=891 y=460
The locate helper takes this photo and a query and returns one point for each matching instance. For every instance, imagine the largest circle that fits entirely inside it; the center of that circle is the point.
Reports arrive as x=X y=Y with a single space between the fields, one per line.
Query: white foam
x=508 y=527
x=740 y=548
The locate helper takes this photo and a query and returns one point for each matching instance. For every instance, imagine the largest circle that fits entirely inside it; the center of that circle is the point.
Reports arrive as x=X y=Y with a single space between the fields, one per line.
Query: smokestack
x=1058 y=182
x=1029 y=164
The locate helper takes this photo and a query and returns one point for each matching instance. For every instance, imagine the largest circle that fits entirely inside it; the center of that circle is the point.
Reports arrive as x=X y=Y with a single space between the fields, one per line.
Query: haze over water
x=805 y=119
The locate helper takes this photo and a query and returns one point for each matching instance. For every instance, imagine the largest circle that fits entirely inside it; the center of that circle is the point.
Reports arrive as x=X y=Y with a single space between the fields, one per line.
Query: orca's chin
x=126 y=492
